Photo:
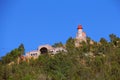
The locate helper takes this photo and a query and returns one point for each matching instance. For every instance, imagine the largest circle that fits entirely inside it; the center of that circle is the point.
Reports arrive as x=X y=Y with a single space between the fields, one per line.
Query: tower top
x=79 y=27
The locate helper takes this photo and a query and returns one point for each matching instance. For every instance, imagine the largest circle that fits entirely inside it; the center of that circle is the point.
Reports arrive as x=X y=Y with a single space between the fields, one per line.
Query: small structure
x=34 y=53
x=45 y=49
x=80 y=36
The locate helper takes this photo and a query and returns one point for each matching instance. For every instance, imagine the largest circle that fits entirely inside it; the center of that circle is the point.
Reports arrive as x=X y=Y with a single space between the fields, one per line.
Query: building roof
x=49 y=47
x=79 y=27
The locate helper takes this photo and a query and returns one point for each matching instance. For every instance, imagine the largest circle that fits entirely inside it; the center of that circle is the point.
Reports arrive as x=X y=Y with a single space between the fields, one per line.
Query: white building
x=43 y=49
x=34 y=53
x=80 y=36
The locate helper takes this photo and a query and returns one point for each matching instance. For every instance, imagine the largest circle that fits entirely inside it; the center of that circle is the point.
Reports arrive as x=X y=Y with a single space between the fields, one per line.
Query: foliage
x=70 y=45
x=58 y=44
x=100 y=61
x=13 y=55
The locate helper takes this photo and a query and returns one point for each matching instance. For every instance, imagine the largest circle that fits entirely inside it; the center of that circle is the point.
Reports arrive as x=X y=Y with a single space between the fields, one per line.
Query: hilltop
x=98 y=61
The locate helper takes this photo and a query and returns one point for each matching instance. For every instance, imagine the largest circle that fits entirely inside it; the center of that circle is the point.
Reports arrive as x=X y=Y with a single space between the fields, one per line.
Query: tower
x=79 y=33
x=80 y=36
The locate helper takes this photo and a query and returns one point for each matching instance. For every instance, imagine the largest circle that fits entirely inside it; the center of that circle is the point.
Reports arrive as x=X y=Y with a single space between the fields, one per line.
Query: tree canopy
x=98 y=61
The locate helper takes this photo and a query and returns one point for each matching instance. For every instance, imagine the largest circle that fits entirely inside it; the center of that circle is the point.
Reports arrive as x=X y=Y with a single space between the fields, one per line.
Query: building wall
x=33 y=53
x=51 y=50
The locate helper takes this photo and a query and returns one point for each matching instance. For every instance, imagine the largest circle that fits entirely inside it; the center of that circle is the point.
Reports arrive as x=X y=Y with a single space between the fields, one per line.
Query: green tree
x=13 y=55
x=21 y=49
x=103 y=41
x=70 y=45
x=113 y=39
x=58 y=44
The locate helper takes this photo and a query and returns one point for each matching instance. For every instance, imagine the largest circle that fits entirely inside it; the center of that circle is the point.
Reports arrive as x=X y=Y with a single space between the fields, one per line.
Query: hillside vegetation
x=98 y=61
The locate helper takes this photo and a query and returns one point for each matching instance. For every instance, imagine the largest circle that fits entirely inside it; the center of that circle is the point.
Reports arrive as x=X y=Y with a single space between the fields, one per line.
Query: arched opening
x=44 y=50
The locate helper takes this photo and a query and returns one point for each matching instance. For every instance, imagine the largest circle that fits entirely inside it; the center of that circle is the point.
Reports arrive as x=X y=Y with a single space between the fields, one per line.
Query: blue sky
x=37 y=22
